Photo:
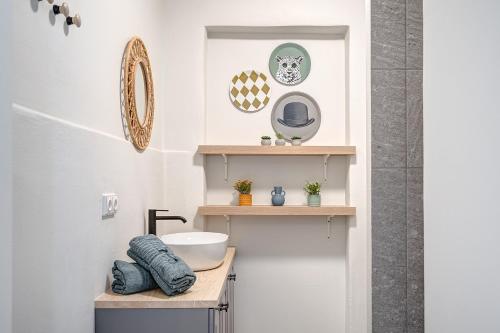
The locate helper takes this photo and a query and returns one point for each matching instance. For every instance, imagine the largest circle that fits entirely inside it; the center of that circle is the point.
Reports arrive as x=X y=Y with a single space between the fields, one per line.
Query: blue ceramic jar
x=278 y=196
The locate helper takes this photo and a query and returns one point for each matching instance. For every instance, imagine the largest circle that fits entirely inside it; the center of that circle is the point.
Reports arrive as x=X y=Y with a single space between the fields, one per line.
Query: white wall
x=325 y=83
x=461 y=170
x=69 y=148
x=257 y=239
x=5 y=174
x=304 y=262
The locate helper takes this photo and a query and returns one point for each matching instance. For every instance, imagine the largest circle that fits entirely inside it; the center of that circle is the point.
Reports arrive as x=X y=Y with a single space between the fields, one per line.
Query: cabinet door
x=213 y=325
x=231 y=279
x=222 y=317
x=224 y=309
x=151 y=320
x=218 y=316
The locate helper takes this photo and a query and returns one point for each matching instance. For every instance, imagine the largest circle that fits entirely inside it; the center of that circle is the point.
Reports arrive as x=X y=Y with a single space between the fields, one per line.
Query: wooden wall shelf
x=217 y=210
x=277 y=150
x=325 y=151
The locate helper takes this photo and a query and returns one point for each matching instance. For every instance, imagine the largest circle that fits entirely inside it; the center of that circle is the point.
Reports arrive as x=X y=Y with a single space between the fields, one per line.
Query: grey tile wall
x=414 y=34
x=388 y=118
x=397 y=161
x=388 y=34
x=388 y=218
x=414 y=108
x=389 y=288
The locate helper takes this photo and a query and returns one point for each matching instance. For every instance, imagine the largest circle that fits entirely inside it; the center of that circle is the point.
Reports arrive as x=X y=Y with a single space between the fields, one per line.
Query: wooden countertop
x=205 y=293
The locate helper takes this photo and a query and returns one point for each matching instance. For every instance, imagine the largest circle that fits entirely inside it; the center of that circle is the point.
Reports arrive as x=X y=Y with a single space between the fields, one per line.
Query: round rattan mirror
x=139 y=96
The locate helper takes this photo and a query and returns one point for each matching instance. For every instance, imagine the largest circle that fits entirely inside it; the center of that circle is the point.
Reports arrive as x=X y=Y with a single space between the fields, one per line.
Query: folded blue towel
x=170 y=272
x=131 y=278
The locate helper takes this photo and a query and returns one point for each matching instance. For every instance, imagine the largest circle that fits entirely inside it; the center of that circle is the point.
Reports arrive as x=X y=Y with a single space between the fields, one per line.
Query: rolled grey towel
x=169 y=271
x=131 y=278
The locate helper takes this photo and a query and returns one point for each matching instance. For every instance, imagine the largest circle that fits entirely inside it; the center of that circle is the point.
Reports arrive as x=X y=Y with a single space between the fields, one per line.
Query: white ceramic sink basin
x=200 y=250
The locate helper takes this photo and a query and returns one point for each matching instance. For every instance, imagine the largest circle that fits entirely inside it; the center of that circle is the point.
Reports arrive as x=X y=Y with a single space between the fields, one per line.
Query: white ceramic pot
x=280 y=142
x=265 y=142
x=296 y=142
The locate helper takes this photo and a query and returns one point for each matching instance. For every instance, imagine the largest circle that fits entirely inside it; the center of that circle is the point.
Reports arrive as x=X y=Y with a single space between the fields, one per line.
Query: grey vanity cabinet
x=191 y=320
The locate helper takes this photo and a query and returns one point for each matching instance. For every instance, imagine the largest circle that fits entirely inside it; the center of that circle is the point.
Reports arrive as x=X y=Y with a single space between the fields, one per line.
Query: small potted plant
x=244 y=187
x=265 y=140
x=296 y=141
x=280 y=140
x=313 y=194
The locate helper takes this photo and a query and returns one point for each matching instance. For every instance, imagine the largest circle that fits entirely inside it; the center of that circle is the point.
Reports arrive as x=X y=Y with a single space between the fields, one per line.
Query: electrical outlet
x=109 y=205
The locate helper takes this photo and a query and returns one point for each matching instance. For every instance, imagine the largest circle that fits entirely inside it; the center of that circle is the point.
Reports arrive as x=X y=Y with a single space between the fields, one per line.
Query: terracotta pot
x=245 y=199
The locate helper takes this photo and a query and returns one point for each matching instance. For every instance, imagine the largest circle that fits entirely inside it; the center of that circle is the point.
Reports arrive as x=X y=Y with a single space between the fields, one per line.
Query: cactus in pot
x=296 y=141
x=265 y=140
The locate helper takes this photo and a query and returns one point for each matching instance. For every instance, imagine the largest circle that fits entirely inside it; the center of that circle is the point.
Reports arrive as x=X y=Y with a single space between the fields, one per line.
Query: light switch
x=109 y=205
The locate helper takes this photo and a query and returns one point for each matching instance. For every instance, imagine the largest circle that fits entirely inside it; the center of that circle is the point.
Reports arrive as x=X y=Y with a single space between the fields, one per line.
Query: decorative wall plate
x=290 y=64
x=136 y=59
x=249 y=91
x=296 y=114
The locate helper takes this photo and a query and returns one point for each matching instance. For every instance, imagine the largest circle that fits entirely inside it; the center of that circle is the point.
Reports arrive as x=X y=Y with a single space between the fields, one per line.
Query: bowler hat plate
x=295 y=115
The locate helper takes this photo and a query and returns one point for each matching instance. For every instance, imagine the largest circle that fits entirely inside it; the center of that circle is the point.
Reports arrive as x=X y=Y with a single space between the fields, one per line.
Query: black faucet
x=153 y=218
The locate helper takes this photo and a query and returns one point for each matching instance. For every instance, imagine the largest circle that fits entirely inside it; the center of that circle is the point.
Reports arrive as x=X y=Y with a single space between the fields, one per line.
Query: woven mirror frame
x=136 y=58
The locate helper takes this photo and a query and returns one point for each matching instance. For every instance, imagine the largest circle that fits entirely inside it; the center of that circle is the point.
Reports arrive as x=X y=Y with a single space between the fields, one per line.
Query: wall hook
x=62 y=9
x=76 y=20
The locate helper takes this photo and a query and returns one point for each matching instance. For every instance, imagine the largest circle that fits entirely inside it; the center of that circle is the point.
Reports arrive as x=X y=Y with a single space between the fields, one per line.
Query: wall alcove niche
x=340 y=265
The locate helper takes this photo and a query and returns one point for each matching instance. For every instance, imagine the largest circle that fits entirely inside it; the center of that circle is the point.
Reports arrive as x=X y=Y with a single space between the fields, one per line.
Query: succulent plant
x=279 y=136
x=243 y=186
x=296 y=138
x=312 y=188
x=265 y=137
